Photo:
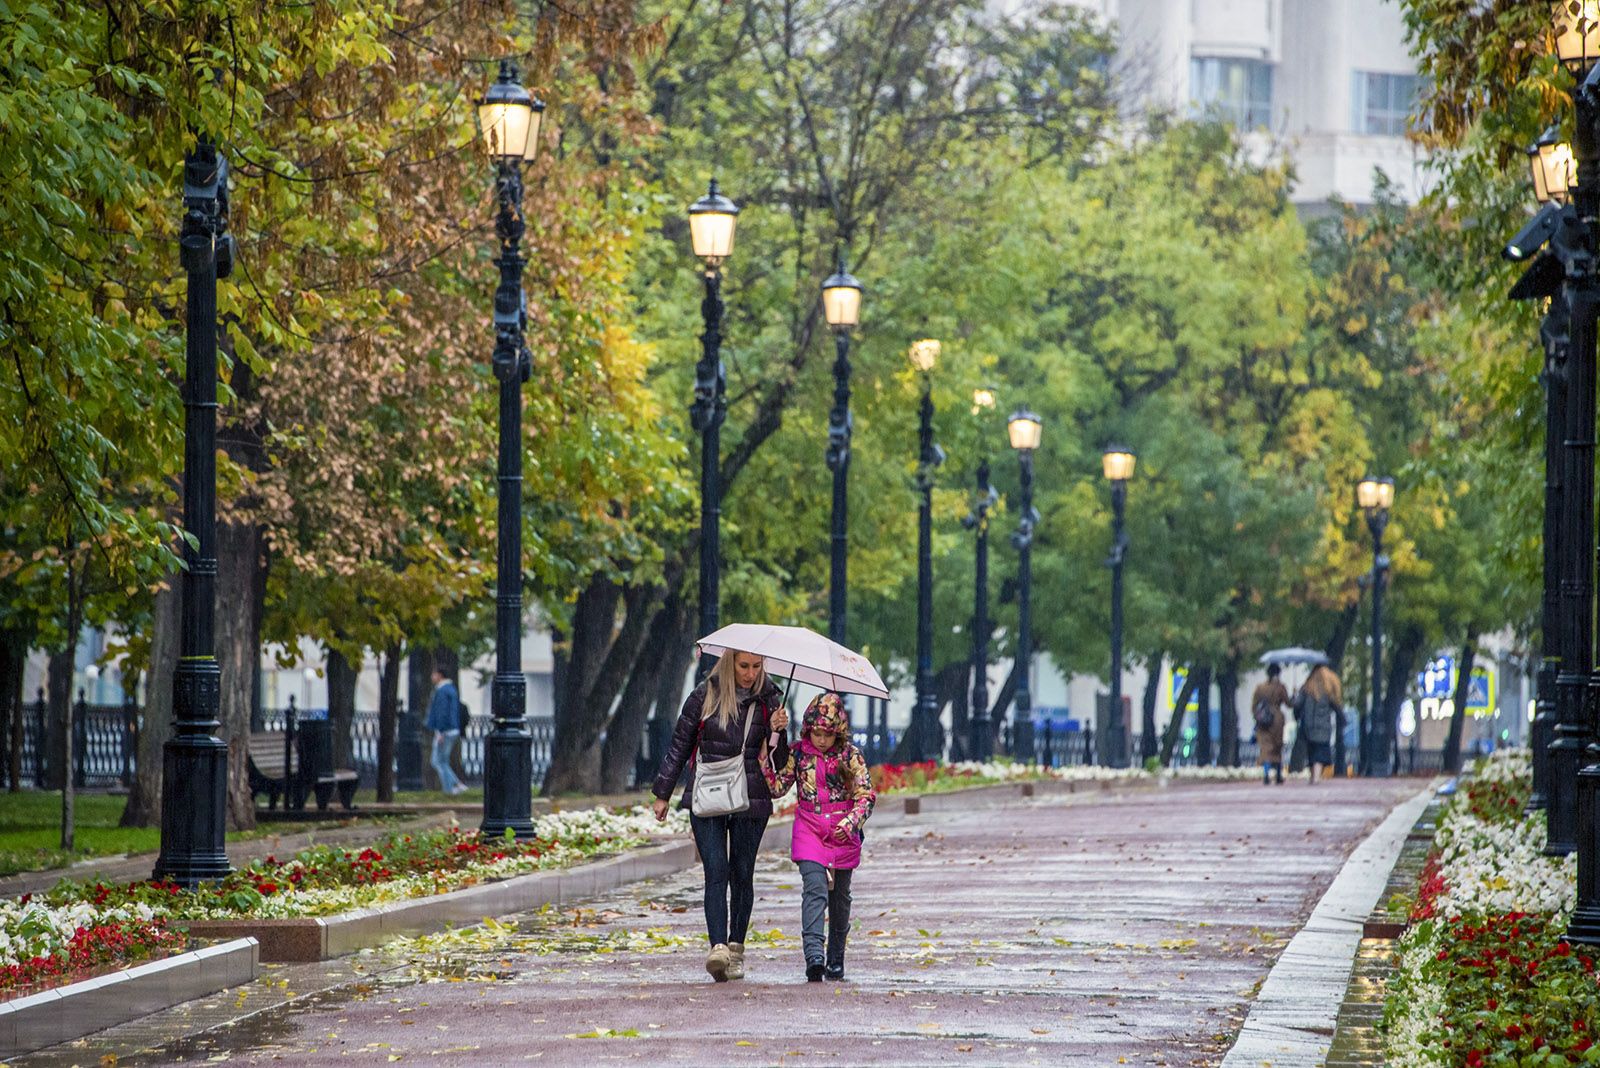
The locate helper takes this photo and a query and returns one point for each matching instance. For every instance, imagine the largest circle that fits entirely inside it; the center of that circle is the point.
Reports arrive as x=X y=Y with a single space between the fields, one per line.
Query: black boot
x=834 y=971
x=814 y=971
x=836 y=938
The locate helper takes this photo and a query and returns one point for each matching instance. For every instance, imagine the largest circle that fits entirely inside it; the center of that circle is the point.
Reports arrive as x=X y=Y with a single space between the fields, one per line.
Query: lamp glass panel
x=982 y=400
x=535 y=121
x=925 y=353
x=1386 y=493
x=1025 y=431
x=1118 y=465
x=1367 y=493
x=506 y=128
x=841 y=305
x=1577 y=32
x=711 y=234
x=1553 y=172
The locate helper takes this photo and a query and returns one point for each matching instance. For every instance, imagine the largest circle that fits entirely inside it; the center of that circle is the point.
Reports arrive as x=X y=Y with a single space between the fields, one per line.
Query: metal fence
x=104 y=743
x=364 y=728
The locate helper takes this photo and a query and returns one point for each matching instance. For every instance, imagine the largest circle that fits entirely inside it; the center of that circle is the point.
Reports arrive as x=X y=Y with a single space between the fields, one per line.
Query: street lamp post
x=841 y=307
x=1376 y=496
x=194 y=783
x=1573 y=779
x=510 y=119
x=927 y=735
x=1025 y=430
x=980 y=736
x=1551 y=167
x=712 y=221
x=1118 y=463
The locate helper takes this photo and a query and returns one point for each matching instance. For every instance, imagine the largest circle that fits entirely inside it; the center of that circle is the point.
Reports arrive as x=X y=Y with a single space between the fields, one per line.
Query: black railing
x=104 y=743
x=364 y=742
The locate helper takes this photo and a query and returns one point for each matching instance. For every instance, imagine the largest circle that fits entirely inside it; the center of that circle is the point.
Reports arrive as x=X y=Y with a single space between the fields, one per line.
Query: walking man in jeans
x=444 y=720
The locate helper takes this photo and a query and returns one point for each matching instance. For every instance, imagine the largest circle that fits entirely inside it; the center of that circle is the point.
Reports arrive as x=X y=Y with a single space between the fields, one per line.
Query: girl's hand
x=780 y=719
x=840 y=834
x=661 y=810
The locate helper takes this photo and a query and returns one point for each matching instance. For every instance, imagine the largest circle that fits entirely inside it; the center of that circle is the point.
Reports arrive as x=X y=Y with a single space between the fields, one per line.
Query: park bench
x=268 y=774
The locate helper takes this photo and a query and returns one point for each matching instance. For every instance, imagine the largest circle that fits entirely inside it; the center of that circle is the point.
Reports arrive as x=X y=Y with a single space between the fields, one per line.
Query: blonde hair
x=1324 y=684
x=722 y=688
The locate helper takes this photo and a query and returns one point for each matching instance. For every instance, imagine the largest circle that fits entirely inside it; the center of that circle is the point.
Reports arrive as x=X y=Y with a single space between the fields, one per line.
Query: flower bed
x=78 y=926
x=42 y=943
x=1483 y=977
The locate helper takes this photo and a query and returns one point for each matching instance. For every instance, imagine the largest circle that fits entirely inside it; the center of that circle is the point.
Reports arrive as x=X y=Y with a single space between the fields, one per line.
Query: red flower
x=1513 y=1030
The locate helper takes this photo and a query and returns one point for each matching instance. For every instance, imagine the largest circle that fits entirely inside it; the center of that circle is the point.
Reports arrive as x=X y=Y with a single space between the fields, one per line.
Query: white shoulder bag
x=720 y=786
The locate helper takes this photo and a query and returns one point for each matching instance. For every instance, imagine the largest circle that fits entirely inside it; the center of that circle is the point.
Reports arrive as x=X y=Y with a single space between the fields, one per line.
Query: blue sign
x=1437 y=679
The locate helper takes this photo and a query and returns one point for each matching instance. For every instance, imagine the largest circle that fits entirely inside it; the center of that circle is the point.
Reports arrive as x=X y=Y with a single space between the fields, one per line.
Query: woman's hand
x=780 y=719
x=661 y=810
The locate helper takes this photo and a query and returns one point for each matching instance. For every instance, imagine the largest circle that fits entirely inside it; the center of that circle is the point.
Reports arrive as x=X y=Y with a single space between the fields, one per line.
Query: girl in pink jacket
x=835 y=799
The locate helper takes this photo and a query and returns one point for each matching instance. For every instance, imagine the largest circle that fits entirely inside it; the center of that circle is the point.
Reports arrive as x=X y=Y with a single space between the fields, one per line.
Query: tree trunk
x=602 y=657
x=144 y=796
x=388 y=719
x=626 y=728
x=1002 y=701
x=1152 y=692
x=1228 y=685
x=69 y=786
x=1458 y=718
x=58 y=685
x=960 y=709
x=1339 y=641
x=419 y=691
x=13 y=654
x=342 y=706
x=1402 y=668
x=1202 y=743
x=1169 y=740
x=238 y=647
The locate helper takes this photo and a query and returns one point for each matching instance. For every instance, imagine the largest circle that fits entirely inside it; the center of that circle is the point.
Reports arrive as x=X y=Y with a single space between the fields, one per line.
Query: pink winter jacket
x=835 y=794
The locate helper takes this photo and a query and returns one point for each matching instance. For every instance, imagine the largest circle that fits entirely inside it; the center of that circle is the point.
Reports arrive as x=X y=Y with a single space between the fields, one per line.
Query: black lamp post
x=980 y=736
x=194 y=790
x=510 y=119
x=712 y=220
x=841 y=307
x=1573 y=775
x=1550 y=164
x=1376 y=496
x=1118 y=463
x=1025 y=430
x=926 y=732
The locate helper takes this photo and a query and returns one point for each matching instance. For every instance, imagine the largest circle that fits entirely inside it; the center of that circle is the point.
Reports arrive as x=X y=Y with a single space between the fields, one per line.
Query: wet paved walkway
x=1105 y=929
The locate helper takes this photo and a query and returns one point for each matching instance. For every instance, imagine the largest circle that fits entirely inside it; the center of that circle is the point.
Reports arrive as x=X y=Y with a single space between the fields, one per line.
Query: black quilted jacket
x=694 y=739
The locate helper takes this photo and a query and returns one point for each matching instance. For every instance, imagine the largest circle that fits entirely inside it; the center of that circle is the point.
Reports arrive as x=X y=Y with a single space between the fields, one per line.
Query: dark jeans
x=728 y=847
x=1268 y=767
x=815 y=899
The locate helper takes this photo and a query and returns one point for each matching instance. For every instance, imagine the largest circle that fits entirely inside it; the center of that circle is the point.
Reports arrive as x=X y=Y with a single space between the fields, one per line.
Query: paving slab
x=1130 y=927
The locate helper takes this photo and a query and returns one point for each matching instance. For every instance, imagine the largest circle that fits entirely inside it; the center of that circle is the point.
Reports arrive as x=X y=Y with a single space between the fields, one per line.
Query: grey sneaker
x=735 y=960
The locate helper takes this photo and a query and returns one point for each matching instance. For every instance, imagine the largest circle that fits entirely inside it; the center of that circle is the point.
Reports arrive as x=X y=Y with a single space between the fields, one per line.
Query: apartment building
x=1328 y=82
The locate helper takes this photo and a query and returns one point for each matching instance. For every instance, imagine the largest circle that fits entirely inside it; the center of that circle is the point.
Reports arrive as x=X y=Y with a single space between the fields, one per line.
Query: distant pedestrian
x=835 y=799
x=1317 y=709
x=444 y=720
x=726 y=719
x=1267 y=704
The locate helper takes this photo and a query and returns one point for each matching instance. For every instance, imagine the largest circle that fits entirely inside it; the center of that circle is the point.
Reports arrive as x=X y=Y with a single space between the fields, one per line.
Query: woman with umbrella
x=721 y=733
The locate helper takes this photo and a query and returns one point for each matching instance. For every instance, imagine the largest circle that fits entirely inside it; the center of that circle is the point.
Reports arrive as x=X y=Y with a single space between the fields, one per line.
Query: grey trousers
x=815 y=899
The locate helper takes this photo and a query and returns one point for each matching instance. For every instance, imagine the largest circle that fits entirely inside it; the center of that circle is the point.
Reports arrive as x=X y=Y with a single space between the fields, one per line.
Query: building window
x=1381 y=103
x=1235 y=90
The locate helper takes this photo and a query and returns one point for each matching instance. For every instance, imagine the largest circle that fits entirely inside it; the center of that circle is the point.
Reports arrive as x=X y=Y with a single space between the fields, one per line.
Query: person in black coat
x=727 y=715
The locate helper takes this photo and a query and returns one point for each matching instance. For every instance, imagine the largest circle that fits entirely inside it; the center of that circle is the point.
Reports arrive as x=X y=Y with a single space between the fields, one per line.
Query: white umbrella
x=1295 y=654
x=800 y=655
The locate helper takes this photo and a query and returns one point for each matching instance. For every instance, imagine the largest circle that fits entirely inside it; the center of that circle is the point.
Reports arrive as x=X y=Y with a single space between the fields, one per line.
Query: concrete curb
x=1291 y=1021
x=77 y=1009
x=314 y=938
